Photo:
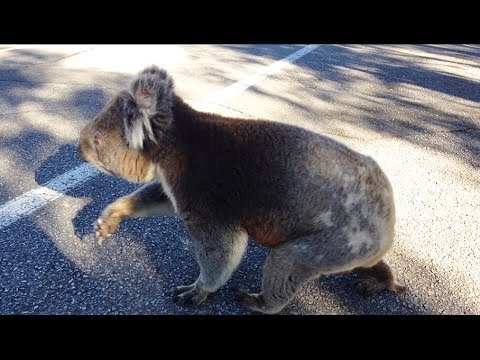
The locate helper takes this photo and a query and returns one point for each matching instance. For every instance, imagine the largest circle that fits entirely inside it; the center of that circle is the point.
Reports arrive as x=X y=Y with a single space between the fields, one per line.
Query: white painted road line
x=10 y=48
x=233 y=90
x=39 y=197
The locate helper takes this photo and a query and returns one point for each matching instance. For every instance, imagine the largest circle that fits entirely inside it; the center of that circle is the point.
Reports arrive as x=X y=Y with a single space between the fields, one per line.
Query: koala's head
x=135 y=119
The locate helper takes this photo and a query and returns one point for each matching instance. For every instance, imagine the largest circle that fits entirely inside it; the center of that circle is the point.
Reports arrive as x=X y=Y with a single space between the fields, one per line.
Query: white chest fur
x=167 y=188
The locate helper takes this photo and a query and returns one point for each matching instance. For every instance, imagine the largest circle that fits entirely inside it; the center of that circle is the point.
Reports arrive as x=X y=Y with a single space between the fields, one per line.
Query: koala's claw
x=177 y=290
x=105 y=227
x=251 y=301
x=189 y=295
x=254 y=302
x=99 y=238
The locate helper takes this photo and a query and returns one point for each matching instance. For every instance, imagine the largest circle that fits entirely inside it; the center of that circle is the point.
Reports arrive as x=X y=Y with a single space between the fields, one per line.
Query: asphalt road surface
x=415 y=109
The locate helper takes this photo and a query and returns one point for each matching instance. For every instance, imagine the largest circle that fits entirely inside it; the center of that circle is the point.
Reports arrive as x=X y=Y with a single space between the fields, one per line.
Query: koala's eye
x=95 y=139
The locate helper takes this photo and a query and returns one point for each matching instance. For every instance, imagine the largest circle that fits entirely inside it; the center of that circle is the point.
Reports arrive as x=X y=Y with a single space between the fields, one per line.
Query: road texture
x=415 y=109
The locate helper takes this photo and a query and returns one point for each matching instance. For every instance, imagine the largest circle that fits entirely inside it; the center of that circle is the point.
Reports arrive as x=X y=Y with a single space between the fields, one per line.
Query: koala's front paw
x=189 y=295
x=106 y=225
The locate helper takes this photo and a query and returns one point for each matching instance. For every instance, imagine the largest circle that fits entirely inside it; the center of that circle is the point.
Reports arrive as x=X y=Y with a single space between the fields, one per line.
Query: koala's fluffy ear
x=152 y=91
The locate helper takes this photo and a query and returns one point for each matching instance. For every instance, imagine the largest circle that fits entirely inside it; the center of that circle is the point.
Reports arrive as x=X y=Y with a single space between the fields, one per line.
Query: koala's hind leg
x=376 y=278
x=218 y=252
x=149 y=200
x=296 y=261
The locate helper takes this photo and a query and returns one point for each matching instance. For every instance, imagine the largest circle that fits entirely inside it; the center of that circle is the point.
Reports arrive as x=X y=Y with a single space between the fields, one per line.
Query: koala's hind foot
x=376 y=278
x=189 y=295
x=255 y=302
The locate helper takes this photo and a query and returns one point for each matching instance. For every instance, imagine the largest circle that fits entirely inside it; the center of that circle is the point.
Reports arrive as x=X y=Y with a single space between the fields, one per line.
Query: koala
x=319 y=206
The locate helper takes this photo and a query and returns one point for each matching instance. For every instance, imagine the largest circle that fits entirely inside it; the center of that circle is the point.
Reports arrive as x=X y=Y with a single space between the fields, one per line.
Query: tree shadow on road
x=42 y=110
x=395 y=108
x=451 y=129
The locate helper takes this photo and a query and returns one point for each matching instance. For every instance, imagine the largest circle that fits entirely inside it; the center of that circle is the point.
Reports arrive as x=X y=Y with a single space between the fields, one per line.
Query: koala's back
x=280 y=182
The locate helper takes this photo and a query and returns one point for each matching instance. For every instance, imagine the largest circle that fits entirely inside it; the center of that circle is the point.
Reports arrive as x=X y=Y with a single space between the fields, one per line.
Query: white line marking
x=230 y=91
x=39 y=197
x=8 y=49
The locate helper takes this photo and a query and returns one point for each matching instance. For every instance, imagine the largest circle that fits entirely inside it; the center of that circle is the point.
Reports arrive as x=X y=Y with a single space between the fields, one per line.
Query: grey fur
x=322 y=207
